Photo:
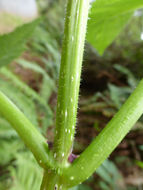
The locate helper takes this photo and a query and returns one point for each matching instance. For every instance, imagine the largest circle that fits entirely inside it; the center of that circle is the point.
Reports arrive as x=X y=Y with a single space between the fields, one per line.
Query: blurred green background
x=31 y=82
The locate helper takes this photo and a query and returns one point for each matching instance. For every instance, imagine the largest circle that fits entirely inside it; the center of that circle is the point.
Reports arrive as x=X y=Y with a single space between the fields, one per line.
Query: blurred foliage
x=18 y=169
x=12 y=44
x=23 y=179
x=111 y=178
x=110 y=100
x=111 y=17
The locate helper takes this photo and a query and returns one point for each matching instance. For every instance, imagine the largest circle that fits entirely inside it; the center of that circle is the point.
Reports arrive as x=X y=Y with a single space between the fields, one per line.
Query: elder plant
x=59 y=172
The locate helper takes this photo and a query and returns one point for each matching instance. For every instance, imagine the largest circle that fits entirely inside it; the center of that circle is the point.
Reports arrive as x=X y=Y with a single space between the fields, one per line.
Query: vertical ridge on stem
x=69 y=80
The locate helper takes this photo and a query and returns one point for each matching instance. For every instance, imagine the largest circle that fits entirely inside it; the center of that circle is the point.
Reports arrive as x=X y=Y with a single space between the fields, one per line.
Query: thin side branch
x=28 y=133
x=107 y=140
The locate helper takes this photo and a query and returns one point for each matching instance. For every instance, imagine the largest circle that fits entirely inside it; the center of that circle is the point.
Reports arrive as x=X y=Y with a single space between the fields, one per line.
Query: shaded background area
x=31 y=82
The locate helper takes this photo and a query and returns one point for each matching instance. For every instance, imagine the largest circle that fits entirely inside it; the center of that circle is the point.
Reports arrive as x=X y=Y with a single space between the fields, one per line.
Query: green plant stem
x=49 y=181
x=28 y=133
x=69 y=80
x=107 y=140
x=52 y=181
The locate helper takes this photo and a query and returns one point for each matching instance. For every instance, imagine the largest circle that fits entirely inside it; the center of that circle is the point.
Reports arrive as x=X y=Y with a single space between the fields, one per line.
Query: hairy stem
x=51 y=181
x=69 y=80
x=28 y=133
x=107 y=140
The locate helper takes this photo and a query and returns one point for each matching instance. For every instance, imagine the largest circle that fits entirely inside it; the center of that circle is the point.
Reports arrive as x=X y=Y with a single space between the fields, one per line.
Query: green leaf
x=112 y=179
x=6 y=131
x=27 y=175
x=46 y=92
x=8 y=150
x=107 y=19
x=20 y=100
x=22 y=95
x=12 y=44
x=119 y=94
x=132 y=81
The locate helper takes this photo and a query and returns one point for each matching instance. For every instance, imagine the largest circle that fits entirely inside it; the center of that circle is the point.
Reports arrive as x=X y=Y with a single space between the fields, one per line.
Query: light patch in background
x=138 y=13
x=142 y=36
x=22 y=8
x=14 y=13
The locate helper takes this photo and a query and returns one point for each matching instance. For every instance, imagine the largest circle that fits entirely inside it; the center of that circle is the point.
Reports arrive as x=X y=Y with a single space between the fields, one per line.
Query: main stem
x=69 y=79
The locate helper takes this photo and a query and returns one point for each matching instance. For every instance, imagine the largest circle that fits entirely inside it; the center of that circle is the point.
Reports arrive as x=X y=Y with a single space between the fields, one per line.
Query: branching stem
x=107 y=140
x=59 y=174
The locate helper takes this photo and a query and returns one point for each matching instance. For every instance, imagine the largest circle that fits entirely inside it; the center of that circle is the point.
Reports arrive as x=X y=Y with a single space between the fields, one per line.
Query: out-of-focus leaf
x=2 y=186
x=27 y=175
x=107 y=19
x=139 y=163
x=12 y=44
x=6 y=131
x=74 y=188
x=23 y=96
x=112 y=179
x=84 y=187
x=119 y=94
x=103 y=185
x=81 y=187
x=48 y=85
x=132 y=81
x=8 y=150
x=21 y=101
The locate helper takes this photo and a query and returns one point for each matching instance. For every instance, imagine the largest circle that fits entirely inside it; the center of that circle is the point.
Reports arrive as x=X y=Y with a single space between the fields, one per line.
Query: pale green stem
x=51 y=181
x=28 y=133
x=107 y=140
x=69 y=80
